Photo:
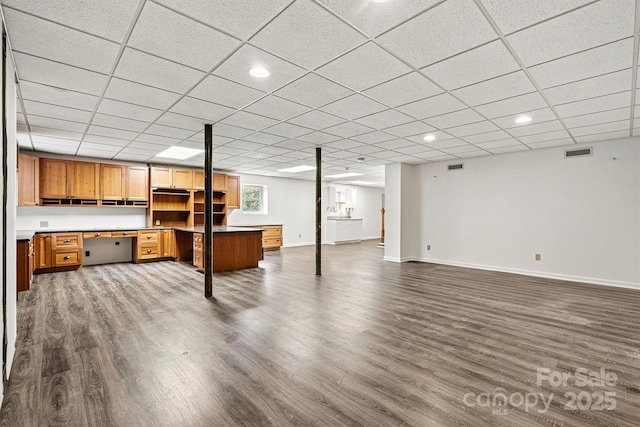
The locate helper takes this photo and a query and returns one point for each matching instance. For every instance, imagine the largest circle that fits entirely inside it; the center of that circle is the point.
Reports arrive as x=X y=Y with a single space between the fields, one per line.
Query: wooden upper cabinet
x=137 y=183
x=112 y=182
x=85 y=180
x=54 y=179
x=28 y=180
x=233 y=192
x=161 y=177
x=182 y=179
x=198 y=180
x=219 y=182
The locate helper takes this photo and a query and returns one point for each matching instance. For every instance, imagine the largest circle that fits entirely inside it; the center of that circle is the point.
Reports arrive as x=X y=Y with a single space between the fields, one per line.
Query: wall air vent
x=579 y=152
x=455 y=166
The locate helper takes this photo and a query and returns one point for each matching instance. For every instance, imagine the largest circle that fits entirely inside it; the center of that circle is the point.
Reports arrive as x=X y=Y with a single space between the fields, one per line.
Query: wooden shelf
x=172 y=210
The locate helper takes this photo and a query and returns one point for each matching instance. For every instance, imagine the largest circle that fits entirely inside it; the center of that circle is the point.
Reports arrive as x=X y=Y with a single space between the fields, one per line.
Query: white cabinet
x=344 y=230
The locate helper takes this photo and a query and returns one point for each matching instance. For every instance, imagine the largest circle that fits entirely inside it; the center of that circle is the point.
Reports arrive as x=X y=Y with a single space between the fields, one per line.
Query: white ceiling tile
x=225 y=92
x=131 y=157
x=348 y=129
x=59 y=75
x=395 y=143
x=439 y=135
x=606 y=136
x=101 y=154
x=126 y=91
x=127 y=110
x=487 y=61
x=537 y=116
x=434 y=106
x=367 y=149
x=307 y=34
x=413 y=149
x=354 y=106
x=100 y=147
x=517 y=14
x=344 y=144
x=385 y=119
x=64 y=125
x=593 y=25
x=169 y=131
x=402 y=90
x=446 y=144
x=313 y=90
x=263 y=138
x=542 y=137
x=591 y=63
x=552 y=143
x=536 y=128
x=487 y=137
x=57 y=96
x=410 y=129
x=276 y=108
x=225 y=130
x=294 y=144
x=105 y=140
x=47 y=40
x=165 y=33
x=249 y=120
x=316 y=120
x=443 y=31
x=56 y=149
x=373 y=137
x=276 y=151
x=515 y=105
x=237 y=67
x=147 y=69
x=201 y=109
x=182 y=122
x=456 y=118
x=287 y=130
x=501 y=143
x=318 y=137
x=111 y=132
x=364 y=67
x=244 y=145
x=474 y=153
x=508 y=149
x=597 y=118
x=240 y=17
x=56 y=112
x=495 y=89
x=472 y=129
x=39 y=139
x=467 y=148
x=623 y=125
x=594 y=105
x=619 y=81
x=119 y=123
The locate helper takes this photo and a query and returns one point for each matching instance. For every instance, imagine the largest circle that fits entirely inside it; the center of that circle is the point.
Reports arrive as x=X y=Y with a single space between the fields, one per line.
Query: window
x=254 y=199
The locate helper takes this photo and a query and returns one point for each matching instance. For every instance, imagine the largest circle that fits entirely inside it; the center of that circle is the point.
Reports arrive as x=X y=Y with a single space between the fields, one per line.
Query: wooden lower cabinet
x=271 y=236
x=154 y=245
x=25 y=260
x=198 y=252
x=58 y=250
x=43 y=251
x=168 y=243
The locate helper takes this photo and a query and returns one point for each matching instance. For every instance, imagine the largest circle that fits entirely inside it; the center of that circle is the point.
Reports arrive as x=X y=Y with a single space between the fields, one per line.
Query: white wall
x=581 y=214
x=61 y=218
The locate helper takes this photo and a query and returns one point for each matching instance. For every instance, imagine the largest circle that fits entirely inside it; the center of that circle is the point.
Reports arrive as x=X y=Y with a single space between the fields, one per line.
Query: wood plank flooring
x=370 y=343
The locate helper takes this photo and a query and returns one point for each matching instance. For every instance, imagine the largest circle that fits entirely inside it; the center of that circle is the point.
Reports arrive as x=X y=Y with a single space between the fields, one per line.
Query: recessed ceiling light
x=363 y=183
x=429 y=137
x=259 y=72
x=523 y=119
x=343 y=175
x=179 y=153
x=379 y=1
x=302 y=168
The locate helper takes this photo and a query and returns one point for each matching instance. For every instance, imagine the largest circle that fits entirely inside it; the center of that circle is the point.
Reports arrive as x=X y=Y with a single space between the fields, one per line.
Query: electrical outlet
x=117 y=243
x=44 y=224
x=428 y=247
x=87 y=253
x=538 y=257
x=300 y=236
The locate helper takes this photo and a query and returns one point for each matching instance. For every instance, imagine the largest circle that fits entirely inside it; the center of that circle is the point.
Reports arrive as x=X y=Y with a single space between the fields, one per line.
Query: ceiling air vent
x=579 y=152
x=456 y=166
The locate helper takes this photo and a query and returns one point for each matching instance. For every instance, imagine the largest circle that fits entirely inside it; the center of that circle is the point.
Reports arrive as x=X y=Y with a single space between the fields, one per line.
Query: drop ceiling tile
x=38 y=139
x=100 y=154
x=434 y=106
x=225 y=130
x=307 y=34
x=276 y=108
x=583 y=65
x=443 y=31
x=313 y=90
x=481 y=138
x=147 y=69
x=244 y=145
x=46 y=122
x=394 y=144
x=402 y=90
x=52 y=41
x=126 y=91
x=554 y=143
x=486 y=62
x=385 y=119
x=111 y=132
x=542 y=137
x=181 y=121
x=590 y=26
x=366 y=66
x=446 y=144
x=287 y=130
x=593 y=105
x=606 y=136
x=354 y=106
x=536 y=128
x=127 y=110
x=54 y=133
x=492 y=145
x=249 y=120
x=439 y=135
x=348 y=129
x=413 y=149
x=316 y=120
x=294 y=144
x=373 y=137
x=119 y=123
x=232 y=151
x=241 y=18
x=618 y=81
x=169 y=131
x=274 y=151
x=456 y=118
x=495 y=89
x=515 y=105
x=597 y=118
x=517 y=14
x=367 y=149
x=622 y=125
x=125 y=156
x=56 y=112
x=467 y=148
x=343 y=144
x=318 y=137
x=201 y=109
x=225 y=92
x=103 y=147
x=537 y=116
x=410 y=129
x=55 y=149
x=105 y=140
x=509 y=149
x=237 y=67
x=59 y=75
x=472 y=129
x=263 y=138
x=164 y=33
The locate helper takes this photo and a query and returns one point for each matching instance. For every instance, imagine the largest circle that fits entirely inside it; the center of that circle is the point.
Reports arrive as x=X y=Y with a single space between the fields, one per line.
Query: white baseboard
x=548 y=275
x=394 y=259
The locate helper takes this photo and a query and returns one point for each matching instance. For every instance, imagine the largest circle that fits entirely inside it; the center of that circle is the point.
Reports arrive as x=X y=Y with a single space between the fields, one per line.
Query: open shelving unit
x=171 y=208
x=219 y=208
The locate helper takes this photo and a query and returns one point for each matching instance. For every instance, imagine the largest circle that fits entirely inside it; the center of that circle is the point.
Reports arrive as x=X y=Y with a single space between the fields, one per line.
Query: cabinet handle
x=148 y=236
x=148 y=251
x=124 y=234
x=67 y=257
x=66 y=240
x=97 y=234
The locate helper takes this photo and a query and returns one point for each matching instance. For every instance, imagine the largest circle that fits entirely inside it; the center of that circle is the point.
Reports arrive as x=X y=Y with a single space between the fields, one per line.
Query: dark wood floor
x=370 y=343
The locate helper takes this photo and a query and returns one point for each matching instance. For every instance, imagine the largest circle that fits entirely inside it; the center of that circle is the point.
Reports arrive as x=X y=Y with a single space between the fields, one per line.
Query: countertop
x=23 y=235
x=217 y=229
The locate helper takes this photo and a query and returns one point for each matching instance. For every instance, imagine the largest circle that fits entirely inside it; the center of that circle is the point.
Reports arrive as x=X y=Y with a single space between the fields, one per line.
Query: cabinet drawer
x=271 y=243
x=148 y=251
x=198 y=247
x=67 y=240
x=148 y=236
x=198 y=261
x=198 y=238
x=124 y=233
x=64 y=258
x=269 y=232
x=96 y=234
